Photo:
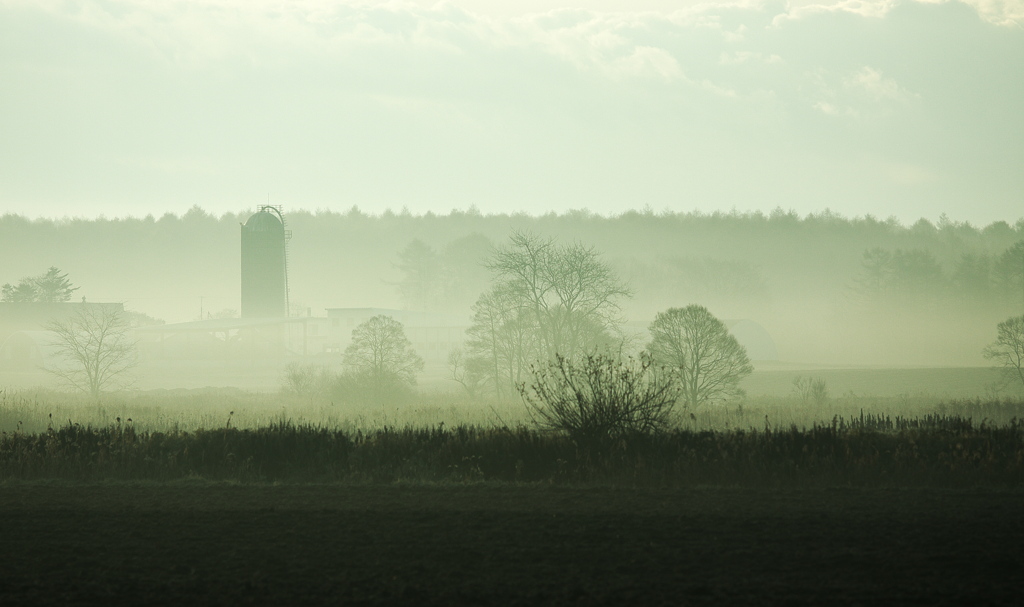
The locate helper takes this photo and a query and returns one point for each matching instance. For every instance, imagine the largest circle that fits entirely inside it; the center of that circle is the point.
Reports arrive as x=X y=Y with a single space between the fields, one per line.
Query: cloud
x=859 y=94
x=875 y=86
x=748 y=57
x=864 y=8
x=1009 y=13
x=646 y=61
x=415 y=101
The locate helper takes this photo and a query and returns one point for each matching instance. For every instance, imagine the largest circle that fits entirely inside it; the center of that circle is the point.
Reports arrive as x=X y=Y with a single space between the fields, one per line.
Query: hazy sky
x=890 y=108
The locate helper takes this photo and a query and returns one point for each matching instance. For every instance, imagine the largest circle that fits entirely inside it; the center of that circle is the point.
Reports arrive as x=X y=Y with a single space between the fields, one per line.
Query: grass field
x=227 y=497
x=959 y=443
x=770 y=379
x=776 y=380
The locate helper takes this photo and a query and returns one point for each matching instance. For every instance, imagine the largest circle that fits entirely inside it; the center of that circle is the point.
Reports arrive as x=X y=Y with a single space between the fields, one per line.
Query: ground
x=208 y=544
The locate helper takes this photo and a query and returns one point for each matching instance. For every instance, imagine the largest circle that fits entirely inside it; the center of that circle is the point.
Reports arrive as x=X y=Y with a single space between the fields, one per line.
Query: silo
x=265 y=265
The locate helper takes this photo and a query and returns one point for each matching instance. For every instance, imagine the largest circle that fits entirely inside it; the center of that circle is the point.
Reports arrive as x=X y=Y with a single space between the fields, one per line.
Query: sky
x=899 y=109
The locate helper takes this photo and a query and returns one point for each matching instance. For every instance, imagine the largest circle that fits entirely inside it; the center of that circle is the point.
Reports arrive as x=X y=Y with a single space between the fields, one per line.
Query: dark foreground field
x=205 y=544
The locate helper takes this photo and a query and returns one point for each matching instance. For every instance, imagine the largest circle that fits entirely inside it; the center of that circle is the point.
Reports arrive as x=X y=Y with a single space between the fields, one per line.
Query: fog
x=835 y=182
x=537 y=302
x=804 y=294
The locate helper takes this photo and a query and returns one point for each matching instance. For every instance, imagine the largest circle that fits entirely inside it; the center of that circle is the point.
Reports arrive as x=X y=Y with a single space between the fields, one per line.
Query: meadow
x=233 y=435
x=225 y=496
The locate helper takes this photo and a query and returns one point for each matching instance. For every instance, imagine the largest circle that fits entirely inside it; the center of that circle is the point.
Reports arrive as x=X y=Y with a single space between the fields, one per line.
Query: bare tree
x=96 y=349
x=705 y=357
x=571 y=294
x=468 y=372
x=380 y=352
x=503 y=338
x=811 y=389
x=545 y=301
x=1008 y=348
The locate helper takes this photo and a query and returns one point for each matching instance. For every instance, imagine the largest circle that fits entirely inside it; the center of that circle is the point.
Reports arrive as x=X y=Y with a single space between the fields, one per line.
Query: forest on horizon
x=829 y=289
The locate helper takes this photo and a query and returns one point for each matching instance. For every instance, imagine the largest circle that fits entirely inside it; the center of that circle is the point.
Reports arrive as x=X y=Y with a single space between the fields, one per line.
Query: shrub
x=599 y=398
x=811 y=389
x=368 y=388
x=308 y=381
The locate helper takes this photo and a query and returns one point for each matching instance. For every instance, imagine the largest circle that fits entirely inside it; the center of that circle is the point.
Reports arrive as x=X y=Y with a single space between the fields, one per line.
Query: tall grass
x=236 y=435
x=166 y=411
x=868 y=450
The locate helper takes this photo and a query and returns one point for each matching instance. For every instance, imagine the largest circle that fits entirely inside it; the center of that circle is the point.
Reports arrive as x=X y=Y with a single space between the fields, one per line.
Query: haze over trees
x=798 y=276
x=599 y=434
x=445 y=279
x=599 y=398
x=95 y=349
x=1007 y=350
x=1008 y=272
x=50 y=287
x=700 y=354
x=546 y=300
x=381 y=356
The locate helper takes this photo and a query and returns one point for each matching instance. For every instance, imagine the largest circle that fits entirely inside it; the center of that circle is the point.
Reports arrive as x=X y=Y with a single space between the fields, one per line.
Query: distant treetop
x=50 y=287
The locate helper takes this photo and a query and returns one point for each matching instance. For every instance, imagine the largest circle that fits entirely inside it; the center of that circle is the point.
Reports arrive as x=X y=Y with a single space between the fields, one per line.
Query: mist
x=821 y=291
x=538 y=303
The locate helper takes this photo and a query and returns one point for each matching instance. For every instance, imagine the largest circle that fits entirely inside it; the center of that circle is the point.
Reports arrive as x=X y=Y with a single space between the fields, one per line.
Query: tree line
x=547 y=327
x=916 y=274
x=50 y=287
x=792 y=274
x=432 y=261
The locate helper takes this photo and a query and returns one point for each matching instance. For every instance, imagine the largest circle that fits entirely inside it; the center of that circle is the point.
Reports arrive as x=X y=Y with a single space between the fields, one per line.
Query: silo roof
x=264 y=221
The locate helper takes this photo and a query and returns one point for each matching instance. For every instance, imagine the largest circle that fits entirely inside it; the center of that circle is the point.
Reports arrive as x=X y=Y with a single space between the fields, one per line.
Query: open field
x=227 y=497
x=776 y=380
x=219 y=544
x=770 y=379
x=770 y=393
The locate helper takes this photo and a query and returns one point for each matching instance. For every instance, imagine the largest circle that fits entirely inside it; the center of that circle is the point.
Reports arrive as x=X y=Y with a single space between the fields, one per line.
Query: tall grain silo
x=265 y=264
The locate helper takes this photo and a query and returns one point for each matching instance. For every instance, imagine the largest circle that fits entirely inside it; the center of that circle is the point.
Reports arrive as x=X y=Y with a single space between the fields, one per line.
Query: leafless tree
x=1008 y=348
x=571 y=294
x=503 y=338
x=705 y=357
x=95 y=347
x=811 y=389
x=468 y=372
x=546 y=300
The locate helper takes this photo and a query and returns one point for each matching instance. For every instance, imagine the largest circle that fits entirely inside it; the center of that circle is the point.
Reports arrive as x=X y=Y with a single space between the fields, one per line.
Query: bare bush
x=308 y=381
x=600 y=398
x=361 y=388
x=811 y=389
